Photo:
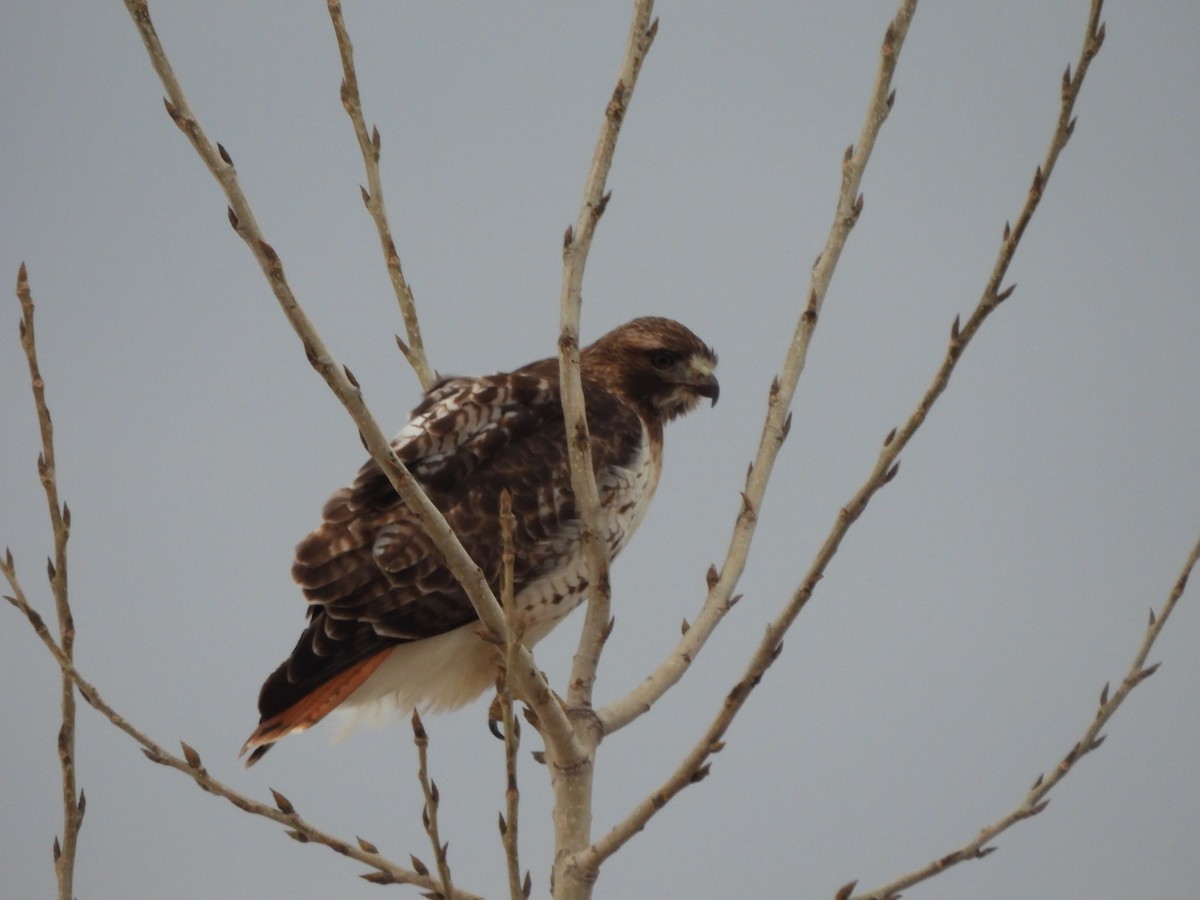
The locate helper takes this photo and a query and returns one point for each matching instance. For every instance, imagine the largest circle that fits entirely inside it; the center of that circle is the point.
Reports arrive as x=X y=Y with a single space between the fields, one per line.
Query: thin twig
x=1035 y=800
x=60 y=523
x=386 y=871
x=345 y=387
x=695 y=764
x=514 y=637
x=429 y=813
x=372 y=194
x=721 y=584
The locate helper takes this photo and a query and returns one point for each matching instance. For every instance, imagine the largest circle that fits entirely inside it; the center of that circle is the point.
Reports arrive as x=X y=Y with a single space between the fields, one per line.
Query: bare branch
x=386 y=870
x=414 y=348
x=533 y=686
x=1035 y=800
x=572 y=779
x=512 y=729
x=575 y=253
x=429 y=813
x=60 y=523
x=779 y=399
x=769 y=647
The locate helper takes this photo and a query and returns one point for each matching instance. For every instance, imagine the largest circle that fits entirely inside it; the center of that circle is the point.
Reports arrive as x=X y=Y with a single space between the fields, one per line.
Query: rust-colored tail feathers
x=312 y=707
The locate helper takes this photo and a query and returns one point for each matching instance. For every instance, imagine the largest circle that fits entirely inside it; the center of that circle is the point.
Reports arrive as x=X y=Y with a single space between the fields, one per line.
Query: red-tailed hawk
x=386 y=619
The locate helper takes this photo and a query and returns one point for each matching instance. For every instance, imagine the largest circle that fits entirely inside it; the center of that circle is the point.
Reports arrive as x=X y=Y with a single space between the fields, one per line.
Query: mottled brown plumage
x=387 y=620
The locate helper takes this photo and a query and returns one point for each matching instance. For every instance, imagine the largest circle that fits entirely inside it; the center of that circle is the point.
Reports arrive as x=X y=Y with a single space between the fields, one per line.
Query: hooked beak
x=708 y=386
x=699 y=376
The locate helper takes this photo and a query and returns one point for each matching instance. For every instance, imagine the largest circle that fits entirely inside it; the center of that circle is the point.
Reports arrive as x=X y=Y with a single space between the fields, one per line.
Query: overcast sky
x=960 y=639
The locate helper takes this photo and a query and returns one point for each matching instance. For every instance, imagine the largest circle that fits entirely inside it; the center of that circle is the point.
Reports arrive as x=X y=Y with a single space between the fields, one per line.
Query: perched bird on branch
x=387 y=621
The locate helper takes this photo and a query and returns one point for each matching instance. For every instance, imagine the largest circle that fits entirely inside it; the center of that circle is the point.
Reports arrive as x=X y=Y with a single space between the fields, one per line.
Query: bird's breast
x=625 y=494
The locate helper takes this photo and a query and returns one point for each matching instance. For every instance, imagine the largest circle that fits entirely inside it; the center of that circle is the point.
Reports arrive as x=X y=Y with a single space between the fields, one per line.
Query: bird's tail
x=312 y=707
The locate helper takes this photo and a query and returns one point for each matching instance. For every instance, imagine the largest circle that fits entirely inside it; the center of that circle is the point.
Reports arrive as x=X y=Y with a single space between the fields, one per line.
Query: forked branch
x=344 y=385
x=695 y=764
x=385 y=870
x=721 y=585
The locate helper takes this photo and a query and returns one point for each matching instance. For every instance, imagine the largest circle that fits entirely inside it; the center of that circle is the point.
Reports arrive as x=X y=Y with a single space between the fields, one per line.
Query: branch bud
x=284 y=804
x=378 y=878
x=192 y=757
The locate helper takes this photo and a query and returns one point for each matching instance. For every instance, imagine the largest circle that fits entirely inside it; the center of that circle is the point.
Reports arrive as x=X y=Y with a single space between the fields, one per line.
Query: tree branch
x=514 y=636
x=386 y=871
x=429 y=812
x=60 y=523
x=1036 y=800
x=372 y=194
x=695 y=764
x=577 y=244
x=572 y=778
x=720 y=598
x=345 y=387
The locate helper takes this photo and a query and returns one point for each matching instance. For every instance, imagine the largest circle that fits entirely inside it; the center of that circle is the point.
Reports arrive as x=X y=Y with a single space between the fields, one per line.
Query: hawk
x=386 y=619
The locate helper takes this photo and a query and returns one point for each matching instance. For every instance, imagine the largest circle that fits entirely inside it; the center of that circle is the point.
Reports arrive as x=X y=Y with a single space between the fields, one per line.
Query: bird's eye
x=663 y=359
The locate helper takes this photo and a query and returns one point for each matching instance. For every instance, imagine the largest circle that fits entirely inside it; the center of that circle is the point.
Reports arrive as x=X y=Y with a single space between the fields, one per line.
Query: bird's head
x=657 y=364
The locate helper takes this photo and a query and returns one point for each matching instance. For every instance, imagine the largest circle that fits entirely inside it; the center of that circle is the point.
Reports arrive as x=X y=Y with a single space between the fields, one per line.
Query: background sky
x=959 y=640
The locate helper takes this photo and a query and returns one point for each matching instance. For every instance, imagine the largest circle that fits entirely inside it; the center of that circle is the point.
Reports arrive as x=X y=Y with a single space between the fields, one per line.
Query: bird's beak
x=702 y=379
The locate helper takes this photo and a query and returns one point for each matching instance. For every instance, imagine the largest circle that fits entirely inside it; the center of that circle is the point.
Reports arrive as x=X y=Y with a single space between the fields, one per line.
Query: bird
x=388 y=624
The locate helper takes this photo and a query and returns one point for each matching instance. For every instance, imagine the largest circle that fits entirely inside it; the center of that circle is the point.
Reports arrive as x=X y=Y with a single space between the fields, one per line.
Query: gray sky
x=959 y=641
